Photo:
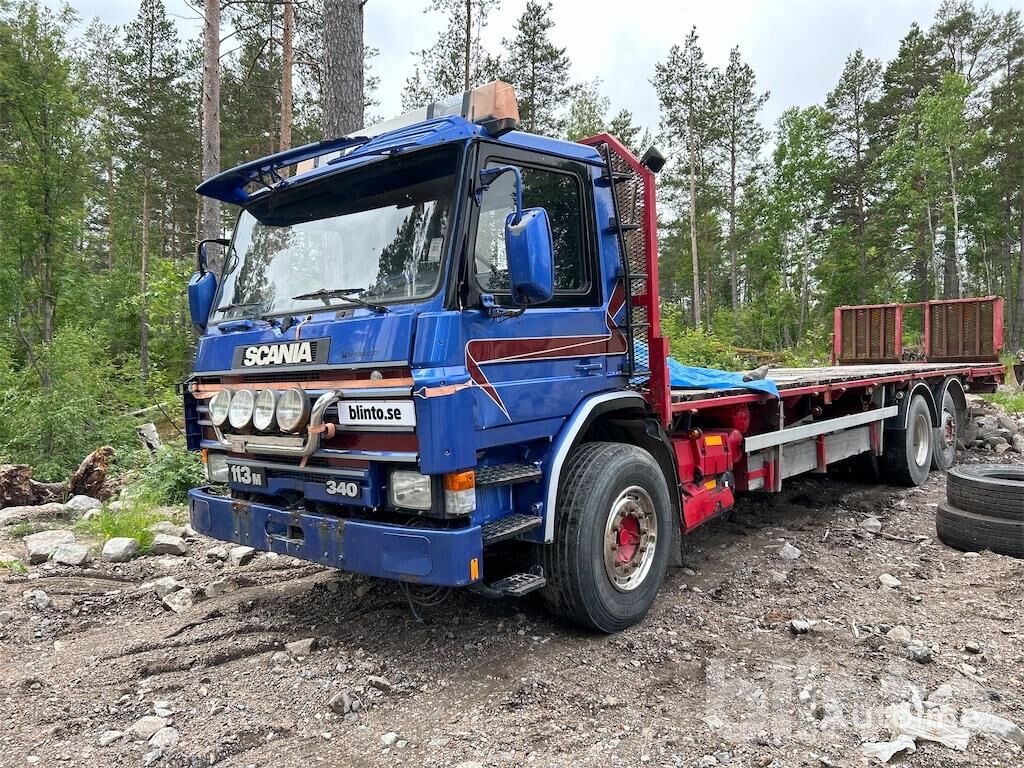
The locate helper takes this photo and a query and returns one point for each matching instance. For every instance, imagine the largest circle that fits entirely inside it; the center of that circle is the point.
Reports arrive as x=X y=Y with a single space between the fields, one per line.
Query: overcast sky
x=796 y=47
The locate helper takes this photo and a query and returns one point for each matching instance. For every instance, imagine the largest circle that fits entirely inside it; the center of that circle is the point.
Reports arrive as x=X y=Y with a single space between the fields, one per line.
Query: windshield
x=376 y=232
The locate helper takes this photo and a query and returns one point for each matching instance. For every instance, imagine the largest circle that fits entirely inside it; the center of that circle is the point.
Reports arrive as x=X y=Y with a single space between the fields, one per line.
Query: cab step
x=507 y=527
x=518 y=584
x=506 y=474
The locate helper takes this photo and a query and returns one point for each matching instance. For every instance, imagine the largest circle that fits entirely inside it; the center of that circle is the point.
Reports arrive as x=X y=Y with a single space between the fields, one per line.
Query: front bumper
x=451 y=558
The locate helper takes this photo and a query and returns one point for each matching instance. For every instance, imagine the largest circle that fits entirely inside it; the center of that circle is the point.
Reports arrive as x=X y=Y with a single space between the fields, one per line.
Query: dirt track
x=712 y=676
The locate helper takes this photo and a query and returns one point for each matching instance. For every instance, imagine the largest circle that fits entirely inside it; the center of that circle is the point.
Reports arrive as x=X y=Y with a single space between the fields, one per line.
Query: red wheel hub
x=628 y=538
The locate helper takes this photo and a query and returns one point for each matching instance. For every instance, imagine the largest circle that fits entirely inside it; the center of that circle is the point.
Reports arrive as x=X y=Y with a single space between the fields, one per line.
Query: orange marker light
x=460 y=481
x=205 y=456
x=474 y=569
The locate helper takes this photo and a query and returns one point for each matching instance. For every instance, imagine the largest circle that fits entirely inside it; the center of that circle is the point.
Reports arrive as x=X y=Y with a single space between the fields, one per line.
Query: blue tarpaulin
x=687 y=377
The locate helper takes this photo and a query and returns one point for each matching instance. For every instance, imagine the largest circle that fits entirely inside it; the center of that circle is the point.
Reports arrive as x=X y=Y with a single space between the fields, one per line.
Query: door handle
x=588 y=368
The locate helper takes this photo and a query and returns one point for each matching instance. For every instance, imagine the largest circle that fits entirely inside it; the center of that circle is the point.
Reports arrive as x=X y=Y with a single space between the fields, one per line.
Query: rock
x=167 y=528
x=401 y=744
x=1005 y=422
x=165 y=738
x=71 y=553
x=119 y=549
x=899 y=634
x=1017 y=441
x=152 y=757
x=888 y=580
x=901 y=720
x=340 y=703
x=942 y=693
x=972 y=646
x=280 y=658
x=364 y=589
x=871 y=524
x=81 y=504
x=300 y=648
x=43 y=544
x=6 y=617
x=799 y=626
x=217 y=554
x=115 y=506
x=241 y=555
x=144 y=728
x=36 y=599
x=182 y=599
x=221 y=586
x=380 y=683
x=35 y=513
x=166 y=585
x=992 y=725
x=922 y=654
x=708 y=761
x=109 y=737
x=165 y=544
x=788 y=552
x=882 y=751
x=389 y=739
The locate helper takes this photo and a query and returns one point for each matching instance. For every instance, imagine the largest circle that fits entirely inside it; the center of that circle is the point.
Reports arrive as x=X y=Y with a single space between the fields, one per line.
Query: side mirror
x=202 y=287
x=202 y=254
x=530 y=250
x=529 y=245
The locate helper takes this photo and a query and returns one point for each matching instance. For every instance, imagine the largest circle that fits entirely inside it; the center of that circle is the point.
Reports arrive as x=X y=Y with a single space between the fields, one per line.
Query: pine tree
x=683 y=83
x=742 y=137
x=343 y=76
x=587 y=111
x=636 y=138
x=848 y=104
x=457 y=60
x=211 y=224
x=539 y=70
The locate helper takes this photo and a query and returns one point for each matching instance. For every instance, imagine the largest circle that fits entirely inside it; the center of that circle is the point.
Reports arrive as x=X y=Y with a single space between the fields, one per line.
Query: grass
x=21 y=530
x=131 y=521
x=1009 y=401
x=14 y=565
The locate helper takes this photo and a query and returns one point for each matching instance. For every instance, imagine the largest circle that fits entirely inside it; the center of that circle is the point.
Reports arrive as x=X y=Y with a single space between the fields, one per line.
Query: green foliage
x=1011 y=401
x=166 y=480
x=14 y=565
x=696 y=347
x=132 y=521
x=539 y=70
x=53 y=425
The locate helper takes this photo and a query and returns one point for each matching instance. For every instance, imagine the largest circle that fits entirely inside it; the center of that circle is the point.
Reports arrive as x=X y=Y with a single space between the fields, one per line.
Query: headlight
x=219 y=405
x=242 y=405
x=410 y=490
x=216 y=468
x=293 y=410
x=263 y=414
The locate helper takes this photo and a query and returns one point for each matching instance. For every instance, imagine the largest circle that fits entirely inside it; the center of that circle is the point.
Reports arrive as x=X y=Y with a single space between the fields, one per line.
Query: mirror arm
x=489 y=175
x=201 y=251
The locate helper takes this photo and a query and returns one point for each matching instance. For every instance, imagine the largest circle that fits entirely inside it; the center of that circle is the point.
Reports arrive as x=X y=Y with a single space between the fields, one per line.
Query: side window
x=559 y=194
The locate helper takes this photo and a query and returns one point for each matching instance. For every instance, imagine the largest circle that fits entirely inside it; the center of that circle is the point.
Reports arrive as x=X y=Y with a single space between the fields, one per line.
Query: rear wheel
x=613 y=531
x=908 y=452
x=944 y=439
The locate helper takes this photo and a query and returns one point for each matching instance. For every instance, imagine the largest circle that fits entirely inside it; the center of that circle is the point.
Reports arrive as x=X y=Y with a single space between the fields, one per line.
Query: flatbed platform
x=801 y=381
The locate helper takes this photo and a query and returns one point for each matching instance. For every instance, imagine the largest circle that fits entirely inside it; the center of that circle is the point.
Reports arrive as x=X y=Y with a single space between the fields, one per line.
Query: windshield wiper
x=348 y=294
x=238 y=305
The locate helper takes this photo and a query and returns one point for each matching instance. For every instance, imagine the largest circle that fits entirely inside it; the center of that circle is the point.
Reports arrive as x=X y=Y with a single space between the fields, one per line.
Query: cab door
x=536 y=366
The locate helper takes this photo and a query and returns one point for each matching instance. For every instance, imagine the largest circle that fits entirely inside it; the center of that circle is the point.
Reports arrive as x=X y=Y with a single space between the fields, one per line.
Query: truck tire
x=944 y=439
x=971 y=532
x=995 y=490
x=613 y=532
x=908 y=452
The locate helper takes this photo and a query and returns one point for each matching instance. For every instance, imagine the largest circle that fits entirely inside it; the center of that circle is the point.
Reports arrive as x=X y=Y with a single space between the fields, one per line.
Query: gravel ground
x=714 y=675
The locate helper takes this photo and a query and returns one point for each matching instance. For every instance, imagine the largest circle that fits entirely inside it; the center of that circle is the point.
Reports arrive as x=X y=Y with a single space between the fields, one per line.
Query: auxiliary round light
x=293 y=410
x=265 y=410
x=242 y=405
x=219 y=405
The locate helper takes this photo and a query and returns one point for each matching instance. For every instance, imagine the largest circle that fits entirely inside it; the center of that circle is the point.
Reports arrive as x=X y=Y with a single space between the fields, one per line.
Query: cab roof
x=246 y=182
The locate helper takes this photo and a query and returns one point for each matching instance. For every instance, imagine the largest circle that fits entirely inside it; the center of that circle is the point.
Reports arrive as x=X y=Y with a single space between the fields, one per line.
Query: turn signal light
x=460 y=481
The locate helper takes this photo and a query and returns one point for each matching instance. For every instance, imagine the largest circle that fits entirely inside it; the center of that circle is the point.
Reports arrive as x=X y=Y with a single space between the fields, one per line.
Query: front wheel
x=613 y=532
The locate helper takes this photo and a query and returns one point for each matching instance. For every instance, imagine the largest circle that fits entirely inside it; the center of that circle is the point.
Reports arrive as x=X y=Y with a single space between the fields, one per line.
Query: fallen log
x=18 y=489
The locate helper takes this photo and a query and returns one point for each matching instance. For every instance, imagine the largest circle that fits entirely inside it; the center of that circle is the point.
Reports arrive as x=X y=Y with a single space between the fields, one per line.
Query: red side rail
x=657 y=389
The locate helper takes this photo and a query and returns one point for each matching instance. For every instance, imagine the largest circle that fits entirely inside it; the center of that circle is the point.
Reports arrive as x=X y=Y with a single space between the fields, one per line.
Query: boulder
x=33 y=514
x=221 y=586
x=164 y=544
x=241 y=555
x=183 y=599
x=144 y=728
x=42 y=545
x=165 y=585
x=36 y=599
x=119 y=549
x=165 y=738
x=167 y=528
x=71 y=553
x=81 y=504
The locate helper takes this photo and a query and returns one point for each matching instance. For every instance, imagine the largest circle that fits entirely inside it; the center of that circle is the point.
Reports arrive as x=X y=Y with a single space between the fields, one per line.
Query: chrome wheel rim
x=921 y=440
x=630 y=539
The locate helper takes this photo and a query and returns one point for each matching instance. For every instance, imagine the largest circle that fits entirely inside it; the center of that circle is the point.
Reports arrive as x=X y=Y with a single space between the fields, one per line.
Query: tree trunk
x=110 y=211
x=732 y=227
x=17 y=488
x=211 y=225
x=287 y=65
x=951 y=282
x=1018 y=335
x=694 y=263
x=343 y=67
x=469 y=41
x=144 y=282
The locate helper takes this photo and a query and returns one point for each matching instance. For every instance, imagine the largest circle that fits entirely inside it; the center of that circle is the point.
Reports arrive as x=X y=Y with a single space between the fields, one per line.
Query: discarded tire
x=992 y=490
x=973 y=532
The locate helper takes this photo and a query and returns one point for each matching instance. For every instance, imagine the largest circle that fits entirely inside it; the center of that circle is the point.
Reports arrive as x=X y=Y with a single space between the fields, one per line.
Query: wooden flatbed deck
x=800 y=381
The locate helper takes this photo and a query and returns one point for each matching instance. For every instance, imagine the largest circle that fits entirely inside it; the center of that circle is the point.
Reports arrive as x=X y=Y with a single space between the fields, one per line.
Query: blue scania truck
x=433 y=355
